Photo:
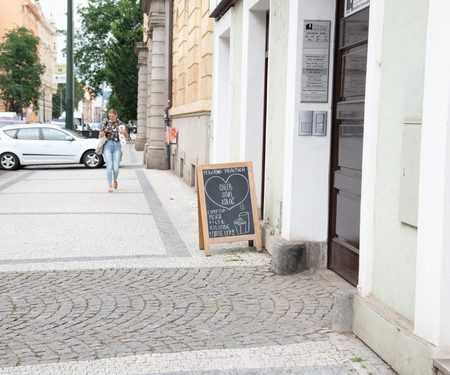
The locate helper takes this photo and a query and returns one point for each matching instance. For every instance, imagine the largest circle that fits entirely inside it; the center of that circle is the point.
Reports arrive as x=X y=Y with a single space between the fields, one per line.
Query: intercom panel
x=319 y=123
x=305 y=123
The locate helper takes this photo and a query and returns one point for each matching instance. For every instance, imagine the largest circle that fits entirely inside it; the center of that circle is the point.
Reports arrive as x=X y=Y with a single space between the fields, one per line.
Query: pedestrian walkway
x=114 y=283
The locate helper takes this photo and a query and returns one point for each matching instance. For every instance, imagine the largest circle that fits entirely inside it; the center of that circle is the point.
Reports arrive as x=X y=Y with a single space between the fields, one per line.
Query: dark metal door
x=266 y=73
x=347 y=142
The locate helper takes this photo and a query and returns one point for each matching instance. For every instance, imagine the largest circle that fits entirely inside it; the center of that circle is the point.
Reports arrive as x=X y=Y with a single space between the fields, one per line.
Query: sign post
x=59 y=73
x=227 y=210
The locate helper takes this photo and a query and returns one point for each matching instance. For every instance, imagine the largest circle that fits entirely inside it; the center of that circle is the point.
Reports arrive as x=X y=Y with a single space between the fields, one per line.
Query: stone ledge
x=391 y=336
x=343 y=310
x=442 y=366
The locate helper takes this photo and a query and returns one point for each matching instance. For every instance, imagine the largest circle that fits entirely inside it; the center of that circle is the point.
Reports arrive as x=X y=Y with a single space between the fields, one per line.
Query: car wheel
x=92 y=160
x=9 y=161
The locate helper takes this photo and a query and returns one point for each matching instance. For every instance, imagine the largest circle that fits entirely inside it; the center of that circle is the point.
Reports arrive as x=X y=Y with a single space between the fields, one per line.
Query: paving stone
x=148 y=301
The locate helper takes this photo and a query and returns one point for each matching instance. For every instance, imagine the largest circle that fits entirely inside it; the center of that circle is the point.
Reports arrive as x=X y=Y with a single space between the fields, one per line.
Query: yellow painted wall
x=192 y=57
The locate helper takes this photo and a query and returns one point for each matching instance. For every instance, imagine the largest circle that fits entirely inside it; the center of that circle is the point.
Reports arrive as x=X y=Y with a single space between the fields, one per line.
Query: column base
x=155 y=157
x=140 y=143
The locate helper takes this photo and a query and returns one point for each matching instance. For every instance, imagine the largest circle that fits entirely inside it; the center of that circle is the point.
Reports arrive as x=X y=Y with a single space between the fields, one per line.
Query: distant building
x=91 y=107
x=175 y=76
x=48 y=55
x=24 y=13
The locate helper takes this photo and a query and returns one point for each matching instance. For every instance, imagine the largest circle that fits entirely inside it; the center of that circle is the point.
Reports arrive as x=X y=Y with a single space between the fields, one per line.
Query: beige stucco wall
x=16 y=13
x=191 y=86
x=384 y=316
x=192 y=57
x=402 y=75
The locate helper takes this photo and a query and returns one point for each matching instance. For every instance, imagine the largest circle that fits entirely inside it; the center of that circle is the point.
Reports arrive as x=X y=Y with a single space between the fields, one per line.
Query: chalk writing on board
x=227 y=197
x=228 y=203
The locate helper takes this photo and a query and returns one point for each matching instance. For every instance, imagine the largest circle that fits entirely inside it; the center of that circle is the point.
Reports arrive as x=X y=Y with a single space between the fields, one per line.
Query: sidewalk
x=114 y=283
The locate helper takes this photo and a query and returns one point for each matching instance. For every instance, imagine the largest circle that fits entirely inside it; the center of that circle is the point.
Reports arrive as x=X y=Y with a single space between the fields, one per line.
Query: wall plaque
x=352 y=6
x=315 y=61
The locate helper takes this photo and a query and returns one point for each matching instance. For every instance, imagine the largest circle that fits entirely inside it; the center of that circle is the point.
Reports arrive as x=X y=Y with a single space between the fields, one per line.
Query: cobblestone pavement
x=83 y=292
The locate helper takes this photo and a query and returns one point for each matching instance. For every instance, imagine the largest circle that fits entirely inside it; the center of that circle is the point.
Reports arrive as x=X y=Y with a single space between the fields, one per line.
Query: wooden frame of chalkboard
x=227 y=210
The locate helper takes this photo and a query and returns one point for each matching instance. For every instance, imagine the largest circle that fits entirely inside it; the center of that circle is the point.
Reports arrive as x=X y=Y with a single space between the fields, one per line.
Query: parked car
x=59 y=122
x=8 y=116
x=96 y=126
x=10 y=122
x=45 y=144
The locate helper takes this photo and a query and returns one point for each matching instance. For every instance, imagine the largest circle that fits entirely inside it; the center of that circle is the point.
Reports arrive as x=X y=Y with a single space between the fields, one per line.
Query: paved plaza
x=114 y=283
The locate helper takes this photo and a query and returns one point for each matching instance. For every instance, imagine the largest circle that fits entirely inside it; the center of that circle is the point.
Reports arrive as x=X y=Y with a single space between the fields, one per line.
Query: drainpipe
x=169 y=88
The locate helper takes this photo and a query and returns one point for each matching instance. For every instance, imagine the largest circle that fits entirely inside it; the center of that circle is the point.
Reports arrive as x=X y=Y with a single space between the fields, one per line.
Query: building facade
x=24 y=13
x=343 y=109
x=19 y=13
x=48 y=55
x=190 y=111
x=153 y=85
x=175 y=75
x=342 y=106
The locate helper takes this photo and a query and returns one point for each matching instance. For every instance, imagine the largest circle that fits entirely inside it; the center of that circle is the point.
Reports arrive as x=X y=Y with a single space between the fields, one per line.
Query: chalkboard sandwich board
x=227 y=208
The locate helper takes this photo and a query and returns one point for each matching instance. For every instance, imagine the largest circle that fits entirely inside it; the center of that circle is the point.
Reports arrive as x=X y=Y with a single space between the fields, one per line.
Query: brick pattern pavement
x=63 y=316
x=73 y=303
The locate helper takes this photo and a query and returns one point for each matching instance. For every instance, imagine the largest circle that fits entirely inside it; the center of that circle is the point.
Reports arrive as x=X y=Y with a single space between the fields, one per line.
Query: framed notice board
x=227 y=208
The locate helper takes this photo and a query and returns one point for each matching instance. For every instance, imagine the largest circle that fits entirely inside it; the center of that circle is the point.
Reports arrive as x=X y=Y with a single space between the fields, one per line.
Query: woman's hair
x=113 y=111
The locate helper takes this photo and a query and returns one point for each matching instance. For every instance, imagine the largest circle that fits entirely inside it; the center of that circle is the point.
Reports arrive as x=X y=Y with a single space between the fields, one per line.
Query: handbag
x=99 y=149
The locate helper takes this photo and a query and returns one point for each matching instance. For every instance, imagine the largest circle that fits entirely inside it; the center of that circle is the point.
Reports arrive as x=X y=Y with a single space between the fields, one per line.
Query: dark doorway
x=347 y=141
x=266 y=72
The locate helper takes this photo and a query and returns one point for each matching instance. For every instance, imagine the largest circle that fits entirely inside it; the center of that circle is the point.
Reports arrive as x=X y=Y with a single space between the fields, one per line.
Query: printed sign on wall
x=59 y=73
x=352 y=6
x=316 y=56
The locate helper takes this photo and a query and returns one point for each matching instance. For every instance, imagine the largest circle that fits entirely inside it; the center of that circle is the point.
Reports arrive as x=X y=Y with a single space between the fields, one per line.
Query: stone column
x=141 y=138
x=154 y=152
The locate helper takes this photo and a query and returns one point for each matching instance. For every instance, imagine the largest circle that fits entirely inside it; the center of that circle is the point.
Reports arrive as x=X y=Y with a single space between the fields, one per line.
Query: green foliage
x=59 y=99
x=21 y=70
x=104 y=51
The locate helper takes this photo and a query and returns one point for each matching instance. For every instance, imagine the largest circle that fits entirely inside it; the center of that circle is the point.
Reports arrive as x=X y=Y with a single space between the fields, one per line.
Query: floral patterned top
x=111 y=130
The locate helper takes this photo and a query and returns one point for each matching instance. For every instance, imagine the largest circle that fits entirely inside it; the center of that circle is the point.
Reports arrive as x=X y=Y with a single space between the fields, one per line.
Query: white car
x=45 y=144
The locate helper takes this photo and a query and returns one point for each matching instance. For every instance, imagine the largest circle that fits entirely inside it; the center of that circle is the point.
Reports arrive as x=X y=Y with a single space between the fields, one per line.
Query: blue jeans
x=111 y=153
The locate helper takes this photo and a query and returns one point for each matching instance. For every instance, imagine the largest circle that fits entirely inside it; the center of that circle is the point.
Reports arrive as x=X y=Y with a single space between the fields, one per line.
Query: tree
x=59 y=99
x=104 y=50
x=21 y=69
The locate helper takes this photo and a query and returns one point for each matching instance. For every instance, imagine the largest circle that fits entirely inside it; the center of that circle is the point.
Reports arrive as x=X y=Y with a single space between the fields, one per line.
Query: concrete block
x=316 y=254
x=288 y=257
x=343 y=310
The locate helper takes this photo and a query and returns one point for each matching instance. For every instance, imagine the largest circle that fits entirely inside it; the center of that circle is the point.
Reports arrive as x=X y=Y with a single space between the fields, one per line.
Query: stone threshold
x=442 y=366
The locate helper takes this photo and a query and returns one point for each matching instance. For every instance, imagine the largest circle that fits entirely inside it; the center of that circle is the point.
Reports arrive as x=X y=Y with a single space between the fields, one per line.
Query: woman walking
x=112 y=149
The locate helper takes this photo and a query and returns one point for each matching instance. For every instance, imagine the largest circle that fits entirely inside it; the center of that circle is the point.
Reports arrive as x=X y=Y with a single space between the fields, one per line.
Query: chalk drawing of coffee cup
x=242 y=223
x=246 y=217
